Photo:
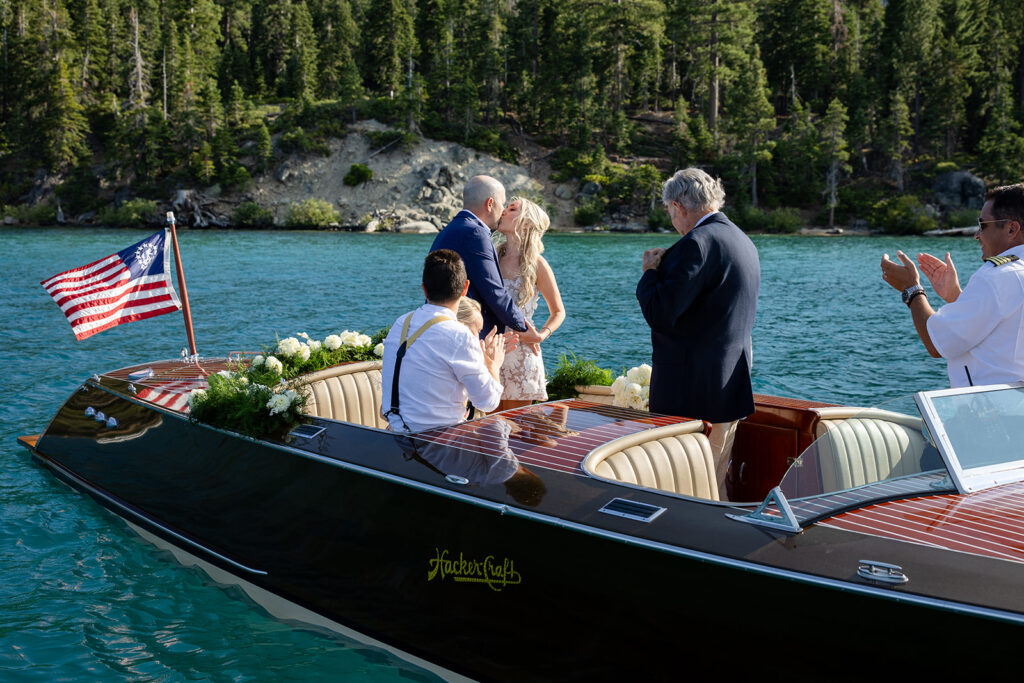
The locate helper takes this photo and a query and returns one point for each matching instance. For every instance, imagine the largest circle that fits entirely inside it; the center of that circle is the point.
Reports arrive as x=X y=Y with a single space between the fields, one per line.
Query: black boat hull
x=352 y=530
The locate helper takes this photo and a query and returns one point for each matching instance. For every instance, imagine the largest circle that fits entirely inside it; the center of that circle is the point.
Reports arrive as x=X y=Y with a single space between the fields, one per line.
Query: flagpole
x=184 y=291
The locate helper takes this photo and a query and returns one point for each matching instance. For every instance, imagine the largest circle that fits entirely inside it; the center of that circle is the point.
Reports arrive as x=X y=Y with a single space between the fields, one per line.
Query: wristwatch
x=910 y=292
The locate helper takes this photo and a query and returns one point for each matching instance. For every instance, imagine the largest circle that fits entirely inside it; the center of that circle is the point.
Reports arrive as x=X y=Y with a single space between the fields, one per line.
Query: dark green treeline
x=791 y=100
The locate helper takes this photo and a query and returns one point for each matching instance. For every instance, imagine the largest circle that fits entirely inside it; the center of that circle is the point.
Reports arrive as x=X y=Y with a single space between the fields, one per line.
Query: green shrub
x=857 y=199
x=235 y=176
x=357 y=174
x=946 y=167
x=572 y=372
x=43 y=213
x=379 y=139
x=903 y=215
x=298 y=140
x=659 y=218
x=961 y=218
x=589 y=212
x=130 y=213
x=311 y=213
x=251 y=214
x=753 y=219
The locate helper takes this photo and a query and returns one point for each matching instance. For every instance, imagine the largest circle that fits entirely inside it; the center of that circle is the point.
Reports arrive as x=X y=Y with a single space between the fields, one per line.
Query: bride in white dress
x=526 y=275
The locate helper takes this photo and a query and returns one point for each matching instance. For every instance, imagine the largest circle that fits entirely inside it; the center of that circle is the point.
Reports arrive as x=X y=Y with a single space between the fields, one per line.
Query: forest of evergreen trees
x=833 y=104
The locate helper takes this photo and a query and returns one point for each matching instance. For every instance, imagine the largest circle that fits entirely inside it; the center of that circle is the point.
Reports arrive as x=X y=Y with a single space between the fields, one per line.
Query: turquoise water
x=84 y=599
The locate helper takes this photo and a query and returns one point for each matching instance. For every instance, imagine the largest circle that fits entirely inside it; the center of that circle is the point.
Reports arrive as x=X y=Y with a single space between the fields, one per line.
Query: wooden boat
x=573 y=540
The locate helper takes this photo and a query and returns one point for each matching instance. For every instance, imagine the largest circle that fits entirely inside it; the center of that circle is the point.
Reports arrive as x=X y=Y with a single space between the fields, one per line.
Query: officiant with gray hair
x=699 y=297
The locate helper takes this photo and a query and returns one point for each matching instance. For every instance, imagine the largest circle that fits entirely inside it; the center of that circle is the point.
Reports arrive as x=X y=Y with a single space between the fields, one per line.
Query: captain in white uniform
x=980 y=330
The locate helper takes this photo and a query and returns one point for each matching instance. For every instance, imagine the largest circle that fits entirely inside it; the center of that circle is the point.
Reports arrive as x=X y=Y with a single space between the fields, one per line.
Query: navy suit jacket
x=700 y=303
x=467 y=236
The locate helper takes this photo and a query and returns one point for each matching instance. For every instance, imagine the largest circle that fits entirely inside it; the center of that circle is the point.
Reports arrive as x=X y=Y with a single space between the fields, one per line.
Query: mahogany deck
x=989 y=523
x=552 y=436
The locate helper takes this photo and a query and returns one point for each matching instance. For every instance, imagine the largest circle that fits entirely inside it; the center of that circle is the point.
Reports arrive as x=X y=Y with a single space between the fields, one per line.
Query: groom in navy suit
x=469 y=235
x=700 y=297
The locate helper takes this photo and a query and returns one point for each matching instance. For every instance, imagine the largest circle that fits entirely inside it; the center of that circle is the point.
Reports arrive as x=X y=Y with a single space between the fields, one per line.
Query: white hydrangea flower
x=619 y=385
x=196 y=395
x=333 y=342
x=632 y=391
x=226 y=374
x=258 y=361
x=362 y=340
x=349 y=338
x=278 y=403
x=378 y=350
x=274 y=365
x=288 y=347
x=303 y=335
x=313 y=345
x=640 y=375
x=303 y=352
x=291 y=395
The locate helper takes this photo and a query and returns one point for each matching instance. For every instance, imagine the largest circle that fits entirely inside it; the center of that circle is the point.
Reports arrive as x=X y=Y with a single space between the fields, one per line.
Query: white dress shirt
x=982 y=332
x=441 y=370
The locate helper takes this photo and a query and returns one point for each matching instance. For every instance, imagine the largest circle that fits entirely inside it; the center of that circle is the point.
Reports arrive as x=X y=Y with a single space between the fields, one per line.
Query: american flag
x=133 y=284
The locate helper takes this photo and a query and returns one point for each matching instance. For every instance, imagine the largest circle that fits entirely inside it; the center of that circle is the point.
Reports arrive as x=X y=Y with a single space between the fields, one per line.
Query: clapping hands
x=942 y=275
x=493 y=346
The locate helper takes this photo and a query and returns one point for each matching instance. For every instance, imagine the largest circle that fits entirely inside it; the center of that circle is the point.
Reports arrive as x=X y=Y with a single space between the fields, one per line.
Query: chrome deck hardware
x=882 y=572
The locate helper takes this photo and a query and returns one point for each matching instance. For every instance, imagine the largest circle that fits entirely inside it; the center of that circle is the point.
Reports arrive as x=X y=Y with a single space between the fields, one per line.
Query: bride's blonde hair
x=530 y=226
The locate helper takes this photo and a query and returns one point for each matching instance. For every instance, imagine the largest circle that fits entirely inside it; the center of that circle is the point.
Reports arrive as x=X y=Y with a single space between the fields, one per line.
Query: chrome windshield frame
x=970 y=479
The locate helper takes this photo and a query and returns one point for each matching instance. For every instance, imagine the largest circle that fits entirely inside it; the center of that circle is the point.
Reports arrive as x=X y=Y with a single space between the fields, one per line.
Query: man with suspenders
x=980 y=330
x=432 y=363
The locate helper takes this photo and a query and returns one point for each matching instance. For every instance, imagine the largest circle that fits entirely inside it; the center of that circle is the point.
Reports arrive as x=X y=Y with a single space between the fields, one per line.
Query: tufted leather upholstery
x=676 y=458
x=866 y=446
x=350 y=393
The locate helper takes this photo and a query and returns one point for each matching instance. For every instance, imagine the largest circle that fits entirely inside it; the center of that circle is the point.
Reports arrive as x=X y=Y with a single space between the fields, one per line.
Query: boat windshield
x=979 y=431
x=864 y=455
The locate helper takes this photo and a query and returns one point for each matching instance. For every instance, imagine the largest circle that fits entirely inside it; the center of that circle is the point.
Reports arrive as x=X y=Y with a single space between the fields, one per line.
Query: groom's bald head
x=485 y=198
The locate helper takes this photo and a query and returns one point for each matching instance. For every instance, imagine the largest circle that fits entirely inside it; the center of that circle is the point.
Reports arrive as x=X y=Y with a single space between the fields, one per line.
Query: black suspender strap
x=403 y=346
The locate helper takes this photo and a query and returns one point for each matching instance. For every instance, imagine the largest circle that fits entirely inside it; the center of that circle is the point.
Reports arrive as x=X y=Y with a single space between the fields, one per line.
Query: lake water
x=84 y=599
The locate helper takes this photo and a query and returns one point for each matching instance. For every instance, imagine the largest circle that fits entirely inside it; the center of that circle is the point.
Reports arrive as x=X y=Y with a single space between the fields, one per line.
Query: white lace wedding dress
x=522 y=373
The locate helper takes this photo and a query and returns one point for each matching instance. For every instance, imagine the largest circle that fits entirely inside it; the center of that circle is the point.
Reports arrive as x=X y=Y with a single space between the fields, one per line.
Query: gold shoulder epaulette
x=1001 y=260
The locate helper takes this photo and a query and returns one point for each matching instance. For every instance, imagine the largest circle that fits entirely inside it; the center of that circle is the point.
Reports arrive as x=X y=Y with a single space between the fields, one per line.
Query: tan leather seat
x=866 y=446
x=676 y=458
x=350 y=393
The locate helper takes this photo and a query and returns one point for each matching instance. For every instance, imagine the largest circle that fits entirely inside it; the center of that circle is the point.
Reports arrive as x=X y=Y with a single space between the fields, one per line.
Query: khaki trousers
x=722 y=436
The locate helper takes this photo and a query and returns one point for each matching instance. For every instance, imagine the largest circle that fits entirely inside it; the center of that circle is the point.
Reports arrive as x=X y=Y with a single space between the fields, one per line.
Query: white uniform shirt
x=983 y=330
x=441 y=370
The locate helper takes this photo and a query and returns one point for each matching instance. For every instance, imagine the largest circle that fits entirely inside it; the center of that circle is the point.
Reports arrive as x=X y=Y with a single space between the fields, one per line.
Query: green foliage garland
x=573 y=372
x=264 y=396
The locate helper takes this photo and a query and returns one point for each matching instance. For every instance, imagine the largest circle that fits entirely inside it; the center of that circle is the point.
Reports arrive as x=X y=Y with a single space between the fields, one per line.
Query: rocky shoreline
x=414 y=189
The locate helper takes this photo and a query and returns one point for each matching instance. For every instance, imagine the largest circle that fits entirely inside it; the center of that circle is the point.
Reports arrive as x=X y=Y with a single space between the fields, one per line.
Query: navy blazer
x=471 y=239
x=700 y=303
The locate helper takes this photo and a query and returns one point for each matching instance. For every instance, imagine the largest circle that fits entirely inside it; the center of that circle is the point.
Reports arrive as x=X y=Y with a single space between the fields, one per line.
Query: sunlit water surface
x=82 y=598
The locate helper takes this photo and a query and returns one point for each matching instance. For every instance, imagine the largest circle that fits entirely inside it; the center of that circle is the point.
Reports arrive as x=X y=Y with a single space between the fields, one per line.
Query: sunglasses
x=984 y=224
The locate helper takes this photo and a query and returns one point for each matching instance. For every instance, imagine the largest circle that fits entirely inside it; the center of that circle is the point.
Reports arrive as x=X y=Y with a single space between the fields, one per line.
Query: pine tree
x=64 y=126
x=389 y=42
x=303 y=53
x=896 y=134
x=835 y=153
x=751 y=118
x=338 y=40
x=798 y=39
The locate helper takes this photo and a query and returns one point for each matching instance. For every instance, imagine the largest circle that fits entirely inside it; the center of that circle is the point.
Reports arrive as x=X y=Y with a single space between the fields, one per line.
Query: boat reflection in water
x=578 y=541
